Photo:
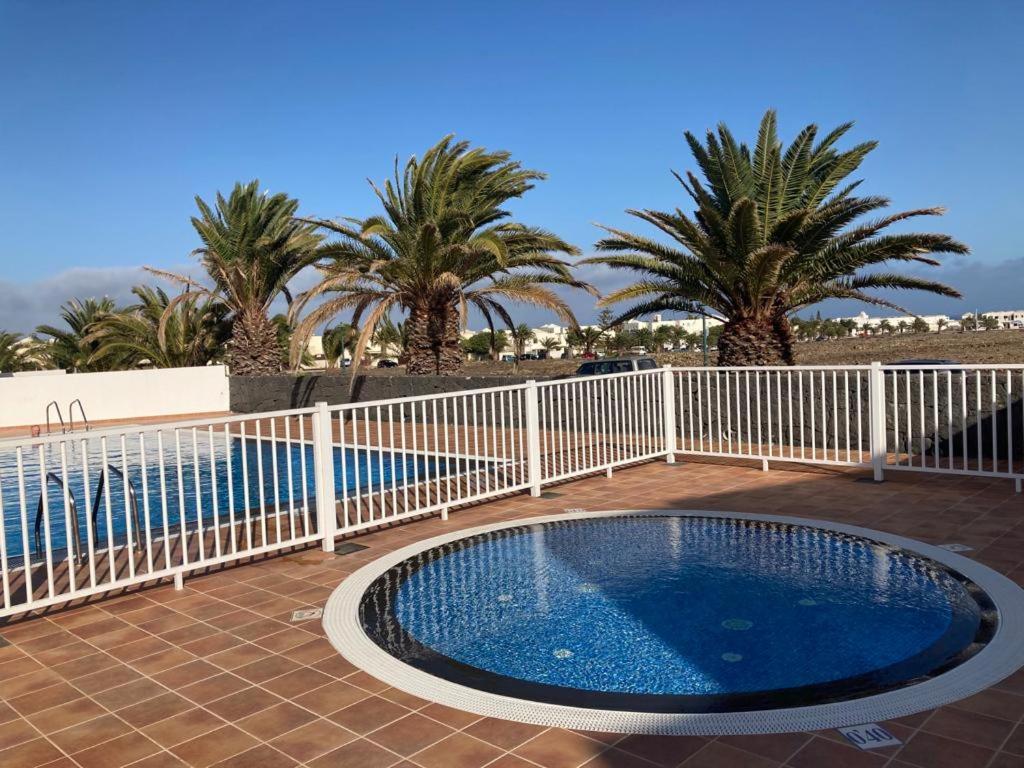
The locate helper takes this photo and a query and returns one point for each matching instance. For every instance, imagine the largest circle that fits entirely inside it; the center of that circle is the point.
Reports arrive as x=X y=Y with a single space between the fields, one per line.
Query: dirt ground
x=970 y=347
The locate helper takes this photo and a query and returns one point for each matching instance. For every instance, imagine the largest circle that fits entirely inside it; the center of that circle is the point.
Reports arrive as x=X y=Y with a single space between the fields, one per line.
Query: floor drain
x=348 y=547
x=954 y=547
x=305 y=614
x=732 y=658
x=807 y=601
x=563 y=653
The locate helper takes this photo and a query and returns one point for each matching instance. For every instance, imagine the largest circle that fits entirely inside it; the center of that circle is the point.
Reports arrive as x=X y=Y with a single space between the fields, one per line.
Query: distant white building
x=863 y=320
x=1008 y=318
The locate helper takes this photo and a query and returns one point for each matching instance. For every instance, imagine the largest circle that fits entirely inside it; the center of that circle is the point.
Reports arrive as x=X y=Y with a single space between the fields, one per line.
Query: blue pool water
x=362 y=468
x=671 y=606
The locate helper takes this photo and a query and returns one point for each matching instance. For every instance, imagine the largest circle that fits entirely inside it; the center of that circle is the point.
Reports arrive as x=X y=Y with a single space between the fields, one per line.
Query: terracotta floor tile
x=776 y=746
x=90 y=733
x=213 y=747
x=971 y=727
x=16 y=732
x=29 y=754
x=719 y=755
x=410 y=734
x=823 y=753
x=511 y=761
x=46 y=698
x=270 y=723
x=262 y=756
x=266 y=668
x=505 y=734
x=559 y=749
x=357 y=754
x=616 y=758
x=456 y=718
x=129 y=694
x=930 y=751
x=242 y=703
x=331 y=697
x=662 y=750
x=214 y=688
x=457 y=751
x=297 y=682
x=312 y=740
x=122 y=751
x=66 y=715
x=368 y=715
x=180 y=728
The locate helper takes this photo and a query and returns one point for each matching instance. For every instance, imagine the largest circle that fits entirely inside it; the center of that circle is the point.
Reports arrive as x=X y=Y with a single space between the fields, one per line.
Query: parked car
x=616 y=365
x=922 y=364
x=387 y=364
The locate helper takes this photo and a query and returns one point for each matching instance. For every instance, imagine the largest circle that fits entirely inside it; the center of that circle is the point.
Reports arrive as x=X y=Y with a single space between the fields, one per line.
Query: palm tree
x=940 y=324
x=587 y=338
x=521 y=334
x=195 y=331
x=20 y=354
x=902 y=326
x=444 y=243
x=387 y=336
x=252 y=247
x=70 y=347
x=886 y=327
x=336 y=341
x=550 y=345
x=773 y=233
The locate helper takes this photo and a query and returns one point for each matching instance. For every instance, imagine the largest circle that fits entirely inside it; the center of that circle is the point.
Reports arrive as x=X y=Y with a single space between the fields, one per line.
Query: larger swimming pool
x=250 y=484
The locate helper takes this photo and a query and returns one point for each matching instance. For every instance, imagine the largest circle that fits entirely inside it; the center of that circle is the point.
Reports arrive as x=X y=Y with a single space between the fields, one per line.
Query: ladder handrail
x=53 y=477
x=133 y=503
x=71 y=415
x=55 y=405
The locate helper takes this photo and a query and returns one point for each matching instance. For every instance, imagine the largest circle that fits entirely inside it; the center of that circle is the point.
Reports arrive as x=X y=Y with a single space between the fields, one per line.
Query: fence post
x=668 y=410
x=876 y=406
x=323 y=467
x=533 y=437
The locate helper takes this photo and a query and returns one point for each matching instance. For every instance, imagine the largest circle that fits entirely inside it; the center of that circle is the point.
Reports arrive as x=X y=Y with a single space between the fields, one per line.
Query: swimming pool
x=191 y=496
x=667 y=616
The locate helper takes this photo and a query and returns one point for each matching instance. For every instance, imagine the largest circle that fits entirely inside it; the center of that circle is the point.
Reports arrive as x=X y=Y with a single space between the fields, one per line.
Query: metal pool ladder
x=53 y=477
x=71 y=415
x=133 y=503
x=53 y=404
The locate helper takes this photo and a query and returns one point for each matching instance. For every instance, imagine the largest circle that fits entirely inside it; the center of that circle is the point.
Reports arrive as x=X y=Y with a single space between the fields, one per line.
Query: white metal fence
x=99 y=511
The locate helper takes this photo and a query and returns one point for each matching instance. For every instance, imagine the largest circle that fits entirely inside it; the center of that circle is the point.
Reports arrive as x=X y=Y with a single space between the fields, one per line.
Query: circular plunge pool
x=678 y=622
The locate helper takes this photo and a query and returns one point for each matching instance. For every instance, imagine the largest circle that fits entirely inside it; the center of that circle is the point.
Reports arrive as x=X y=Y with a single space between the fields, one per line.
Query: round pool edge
x=1001 y=657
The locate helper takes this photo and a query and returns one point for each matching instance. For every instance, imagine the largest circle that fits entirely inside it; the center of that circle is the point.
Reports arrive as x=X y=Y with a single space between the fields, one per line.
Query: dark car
x=387 y=364
x=616 y=365
x=919 y=365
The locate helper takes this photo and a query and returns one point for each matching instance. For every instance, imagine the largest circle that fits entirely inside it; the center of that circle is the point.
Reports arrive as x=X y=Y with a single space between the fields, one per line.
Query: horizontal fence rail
x=100 y=511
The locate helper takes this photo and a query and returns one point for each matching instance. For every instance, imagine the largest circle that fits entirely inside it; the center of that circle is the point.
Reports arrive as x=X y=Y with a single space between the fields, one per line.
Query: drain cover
x=550 y=495
x=305 y=614
x=348 y=547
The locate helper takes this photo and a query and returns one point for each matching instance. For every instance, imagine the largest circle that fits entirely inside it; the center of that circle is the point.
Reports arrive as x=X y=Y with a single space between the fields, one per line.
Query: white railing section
x=412 y=456
x=816 y=414
x=82 y=515
x=596 y=423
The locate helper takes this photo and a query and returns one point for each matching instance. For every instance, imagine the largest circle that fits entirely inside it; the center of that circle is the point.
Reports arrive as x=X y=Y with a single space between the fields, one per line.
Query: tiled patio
x=217 y=674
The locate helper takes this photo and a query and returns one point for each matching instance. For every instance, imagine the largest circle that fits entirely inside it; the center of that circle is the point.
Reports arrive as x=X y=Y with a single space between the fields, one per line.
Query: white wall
x=115 y=395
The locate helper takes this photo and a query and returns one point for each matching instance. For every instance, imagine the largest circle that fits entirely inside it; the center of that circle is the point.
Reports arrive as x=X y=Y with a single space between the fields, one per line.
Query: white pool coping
x=1002 y=656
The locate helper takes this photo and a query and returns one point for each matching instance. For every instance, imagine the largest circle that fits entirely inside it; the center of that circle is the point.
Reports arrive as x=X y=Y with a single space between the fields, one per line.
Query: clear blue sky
x=114 y=114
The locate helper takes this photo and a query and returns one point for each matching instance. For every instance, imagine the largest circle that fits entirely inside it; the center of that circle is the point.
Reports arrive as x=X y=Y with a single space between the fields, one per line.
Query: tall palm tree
x=194 y=333
x=443 y=243
x=521 y=334
x=773 y=232
x=252 y=247
x=71 y=347
x=336 y=341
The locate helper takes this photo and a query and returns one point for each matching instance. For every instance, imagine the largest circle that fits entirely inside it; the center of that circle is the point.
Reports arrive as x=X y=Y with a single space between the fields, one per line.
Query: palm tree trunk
x=253 y=349
x=434 y=340
x=755 y=341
